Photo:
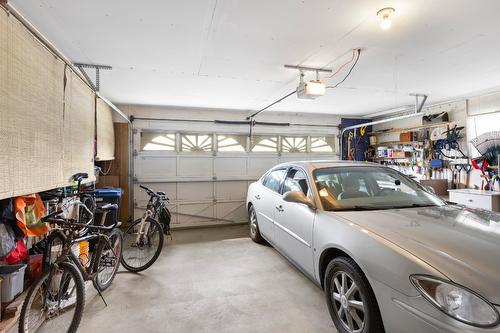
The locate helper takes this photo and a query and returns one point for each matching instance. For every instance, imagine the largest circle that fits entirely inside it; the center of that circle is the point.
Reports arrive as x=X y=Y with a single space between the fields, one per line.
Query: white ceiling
x=230 y=53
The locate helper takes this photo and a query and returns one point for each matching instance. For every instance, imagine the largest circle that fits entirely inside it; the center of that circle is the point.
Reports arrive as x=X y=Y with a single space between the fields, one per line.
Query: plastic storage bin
x=13 y=281
x=110 y=195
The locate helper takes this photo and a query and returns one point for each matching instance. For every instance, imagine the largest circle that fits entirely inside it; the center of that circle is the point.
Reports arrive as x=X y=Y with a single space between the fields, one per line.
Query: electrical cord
x=250 y=117
x=109 y=168
x=348 y=73
x=343 y=65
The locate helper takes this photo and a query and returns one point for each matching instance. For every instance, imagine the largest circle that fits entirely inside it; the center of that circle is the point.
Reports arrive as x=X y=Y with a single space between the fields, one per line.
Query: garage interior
x=198 y=99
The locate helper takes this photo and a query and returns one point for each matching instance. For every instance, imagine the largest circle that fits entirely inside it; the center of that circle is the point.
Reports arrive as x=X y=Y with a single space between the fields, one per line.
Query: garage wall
x=209 y=187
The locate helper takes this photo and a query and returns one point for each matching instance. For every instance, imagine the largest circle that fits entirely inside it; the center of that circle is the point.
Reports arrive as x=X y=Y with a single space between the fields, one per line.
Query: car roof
x=318 y=164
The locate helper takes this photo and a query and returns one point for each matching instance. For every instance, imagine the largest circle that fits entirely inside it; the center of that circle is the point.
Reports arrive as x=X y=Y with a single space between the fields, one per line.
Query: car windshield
x=370 y=188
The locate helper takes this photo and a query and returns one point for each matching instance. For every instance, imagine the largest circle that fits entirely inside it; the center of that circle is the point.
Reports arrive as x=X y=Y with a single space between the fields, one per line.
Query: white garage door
x=205 y=168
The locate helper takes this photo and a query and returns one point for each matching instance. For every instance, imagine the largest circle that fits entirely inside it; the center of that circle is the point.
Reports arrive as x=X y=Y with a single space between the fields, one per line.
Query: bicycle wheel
x=55 y=302
x=108 y=259
x=142 y=244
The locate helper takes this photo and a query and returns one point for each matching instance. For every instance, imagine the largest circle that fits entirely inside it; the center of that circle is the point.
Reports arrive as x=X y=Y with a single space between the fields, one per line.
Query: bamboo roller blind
x=47 y=127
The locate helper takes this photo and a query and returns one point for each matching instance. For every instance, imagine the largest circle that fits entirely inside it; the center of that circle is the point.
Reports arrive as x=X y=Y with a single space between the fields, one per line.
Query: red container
x=35 y=267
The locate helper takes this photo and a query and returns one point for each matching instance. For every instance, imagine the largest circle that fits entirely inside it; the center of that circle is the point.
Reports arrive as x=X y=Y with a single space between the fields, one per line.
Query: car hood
x=461 y=243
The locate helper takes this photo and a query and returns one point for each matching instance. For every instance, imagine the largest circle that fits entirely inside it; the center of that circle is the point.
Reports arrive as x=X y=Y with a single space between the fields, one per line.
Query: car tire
x=350 y=299
x=254 y=226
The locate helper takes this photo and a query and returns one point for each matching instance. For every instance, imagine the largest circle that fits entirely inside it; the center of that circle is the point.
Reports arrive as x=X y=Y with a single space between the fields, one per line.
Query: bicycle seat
x=80 y=176
x=107 y=206
x=161 y=193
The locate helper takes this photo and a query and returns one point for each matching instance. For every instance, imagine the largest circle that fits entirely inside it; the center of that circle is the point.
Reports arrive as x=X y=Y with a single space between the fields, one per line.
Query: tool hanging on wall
x=459 y=168
x=349 y=146
x=488 y=145
x=443 y=147
x=481 y=164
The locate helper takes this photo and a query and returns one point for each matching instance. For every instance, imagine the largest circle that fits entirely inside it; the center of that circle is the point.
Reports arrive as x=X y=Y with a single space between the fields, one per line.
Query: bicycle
x=80 y=204
x=57 y=299
x=143 y=240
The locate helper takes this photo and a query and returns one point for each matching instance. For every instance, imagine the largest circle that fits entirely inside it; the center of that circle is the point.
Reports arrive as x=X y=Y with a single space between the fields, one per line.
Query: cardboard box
x=406 y=137
x=399 y=154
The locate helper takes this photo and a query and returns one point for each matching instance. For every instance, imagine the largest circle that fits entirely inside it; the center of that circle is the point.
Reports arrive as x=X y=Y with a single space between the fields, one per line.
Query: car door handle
x=257 y=197
x=279 y=208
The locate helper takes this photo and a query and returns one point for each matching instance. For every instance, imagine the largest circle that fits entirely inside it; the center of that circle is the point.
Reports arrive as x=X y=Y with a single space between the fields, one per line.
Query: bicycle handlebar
x=149 y=191
x=68 y=223
x=61 y=221
x=46 y=218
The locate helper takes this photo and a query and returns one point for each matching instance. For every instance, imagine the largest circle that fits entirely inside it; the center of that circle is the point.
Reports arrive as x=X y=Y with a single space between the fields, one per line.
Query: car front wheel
x=254 y=226
x=350 y=299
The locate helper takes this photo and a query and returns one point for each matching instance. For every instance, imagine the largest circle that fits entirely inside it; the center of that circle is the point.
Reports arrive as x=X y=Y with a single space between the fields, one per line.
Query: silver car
x=389 y=254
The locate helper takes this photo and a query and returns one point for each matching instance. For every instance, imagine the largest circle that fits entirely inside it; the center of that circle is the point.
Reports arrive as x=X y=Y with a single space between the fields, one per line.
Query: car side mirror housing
x=299 y=197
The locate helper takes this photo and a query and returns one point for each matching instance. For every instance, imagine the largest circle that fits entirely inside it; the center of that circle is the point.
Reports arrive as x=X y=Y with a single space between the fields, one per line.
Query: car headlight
x=456 y=301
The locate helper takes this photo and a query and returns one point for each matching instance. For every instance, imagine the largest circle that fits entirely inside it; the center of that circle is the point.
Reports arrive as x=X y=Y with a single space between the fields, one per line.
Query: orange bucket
x=84 y=253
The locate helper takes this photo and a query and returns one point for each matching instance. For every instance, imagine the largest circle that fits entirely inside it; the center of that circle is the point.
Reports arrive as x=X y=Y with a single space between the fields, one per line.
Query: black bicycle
x=143 y=240
x=55 y=302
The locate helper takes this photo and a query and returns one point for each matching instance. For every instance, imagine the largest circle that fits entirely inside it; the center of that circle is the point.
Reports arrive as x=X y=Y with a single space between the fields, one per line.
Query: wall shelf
x=392 y=158
x=409 y=129
x=392 y=143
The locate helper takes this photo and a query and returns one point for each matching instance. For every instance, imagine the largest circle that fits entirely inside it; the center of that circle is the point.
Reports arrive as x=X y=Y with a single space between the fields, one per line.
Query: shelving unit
x=415 y=150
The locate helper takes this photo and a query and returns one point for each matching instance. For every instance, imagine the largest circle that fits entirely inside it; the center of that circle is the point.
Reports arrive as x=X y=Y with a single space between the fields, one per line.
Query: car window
x=264 y=178
x=388 y=182
x=273 y=180
x=295 y=181
x=369 y=188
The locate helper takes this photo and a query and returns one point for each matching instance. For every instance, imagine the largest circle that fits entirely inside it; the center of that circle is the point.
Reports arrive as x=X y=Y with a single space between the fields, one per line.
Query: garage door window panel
x=231 y=143
x=294 y=144
x=265 y=144
x=196 y=142
x=322 y=144
x=157 y=141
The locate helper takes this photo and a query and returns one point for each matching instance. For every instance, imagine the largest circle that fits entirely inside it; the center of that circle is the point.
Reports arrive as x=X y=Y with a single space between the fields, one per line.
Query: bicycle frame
x=151 y=211
x=68 y=242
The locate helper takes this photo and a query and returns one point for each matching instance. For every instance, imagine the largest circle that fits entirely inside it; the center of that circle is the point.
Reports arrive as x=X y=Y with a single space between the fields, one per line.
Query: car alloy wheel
x=347 y=302
x=253 y=223
x=254 y=226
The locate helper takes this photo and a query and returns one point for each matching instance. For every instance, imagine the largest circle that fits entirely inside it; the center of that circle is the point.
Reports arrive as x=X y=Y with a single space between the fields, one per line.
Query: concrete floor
x=211 y=280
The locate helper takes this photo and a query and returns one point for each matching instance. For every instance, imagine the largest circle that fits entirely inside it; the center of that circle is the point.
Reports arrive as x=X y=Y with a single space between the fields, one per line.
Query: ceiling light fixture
x=385 y=17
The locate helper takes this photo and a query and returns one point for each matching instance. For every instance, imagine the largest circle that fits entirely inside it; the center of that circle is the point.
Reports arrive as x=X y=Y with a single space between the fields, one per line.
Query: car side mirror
x=299 y=197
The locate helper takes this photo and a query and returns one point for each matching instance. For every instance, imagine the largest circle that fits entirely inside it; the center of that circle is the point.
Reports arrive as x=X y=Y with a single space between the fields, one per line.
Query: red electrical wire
x=343 y=65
